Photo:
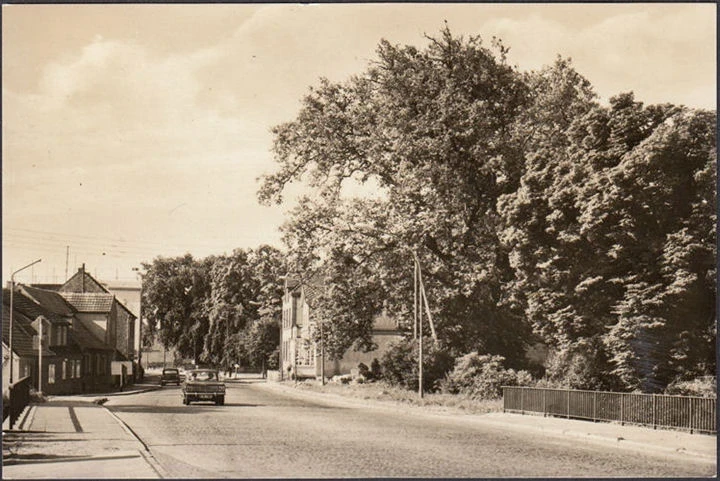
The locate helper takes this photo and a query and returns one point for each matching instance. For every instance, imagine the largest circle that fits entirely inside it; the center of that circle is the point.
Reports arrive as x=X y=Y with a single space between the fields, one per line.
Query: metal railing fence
x=19 y=399
x=657 y=410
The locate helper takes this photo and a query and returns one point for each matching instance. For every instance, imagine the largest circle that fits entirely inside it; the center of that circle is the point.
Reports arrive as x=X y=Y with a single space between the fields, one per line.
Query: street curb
x=618 y=442
x=483 y=419
x=93 y=396
x=146 y=454
x=128 y=393
x=91 y=457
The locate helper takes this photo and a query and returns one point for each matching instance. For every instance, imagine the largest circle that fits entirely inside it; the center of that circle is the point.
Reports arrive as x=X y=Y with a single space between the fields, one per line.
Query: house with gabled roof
x=101 y=313
x=299 y=354
x=61 y=364
x=93 y=372
x=24 y=358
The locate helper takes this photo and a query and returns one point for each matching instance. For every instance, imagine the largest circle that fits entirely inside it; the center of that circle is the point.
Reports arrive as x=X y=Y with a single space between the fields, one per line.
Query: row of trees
x=539 y=215
x=219 y=310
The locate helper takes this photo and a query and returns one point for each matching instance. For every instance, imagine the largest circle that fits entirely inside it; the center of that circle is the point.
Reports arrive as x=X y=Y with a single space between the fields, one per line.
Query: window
x=78 y=368
x=51 y=373
x=64 y=335
x=24 y=369
x=64 y=369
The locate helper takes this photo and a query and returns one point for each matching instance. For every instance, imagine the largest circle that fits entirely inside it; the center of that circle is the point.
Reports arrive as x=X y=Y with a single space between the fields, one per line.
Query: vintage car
x=170 y=375
x=203 y=385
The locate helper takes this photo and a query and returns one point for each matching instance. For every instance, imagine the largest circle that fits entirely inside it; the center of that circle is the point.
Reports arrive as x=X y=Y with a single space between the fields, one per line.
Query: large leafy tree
x=174 y=295
x=603 y=227
x=244 y=287
x=207 y=308
x=434 y=131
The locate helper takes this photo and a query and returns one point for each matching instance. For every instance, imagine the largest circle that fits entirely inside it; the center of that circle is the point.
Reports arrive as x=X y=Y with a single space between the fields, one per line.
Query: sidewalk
x=667 y=443
x=65 y=438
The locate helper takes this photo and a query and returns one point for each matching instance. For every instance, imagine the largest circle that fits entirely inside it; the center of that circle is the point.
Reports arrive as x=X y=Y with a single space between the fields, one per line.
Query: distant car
x=203 y=385
x=170 y=375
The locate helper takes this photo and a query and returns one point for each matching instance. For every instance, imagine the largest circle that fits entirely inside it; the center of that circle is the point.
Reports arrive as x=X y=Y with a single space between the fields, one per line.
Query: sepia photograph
x=359 y=240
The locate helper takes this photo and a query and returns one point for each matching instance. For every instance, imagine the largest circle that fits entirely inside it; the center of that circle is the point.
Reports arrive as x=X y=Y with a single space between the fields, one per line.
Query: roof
x=51 y=300
x=83 y=282
x=312 y=287
x=291 y=282
x=312 y=292
x=22 y=334
x=47 y=287
x=30 y=308
x=90 y=301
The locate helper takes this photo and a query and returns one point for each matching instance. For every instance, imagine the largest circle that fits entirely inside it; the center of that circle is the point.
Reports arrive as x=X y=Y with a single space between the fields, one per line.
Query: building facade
x=300 y=356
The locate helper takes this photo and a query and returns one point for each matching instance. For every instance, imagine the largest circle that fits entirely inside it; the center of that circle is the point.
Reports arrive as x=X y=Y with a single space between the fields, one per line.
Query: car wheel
x=162 y=383
x=220 y=401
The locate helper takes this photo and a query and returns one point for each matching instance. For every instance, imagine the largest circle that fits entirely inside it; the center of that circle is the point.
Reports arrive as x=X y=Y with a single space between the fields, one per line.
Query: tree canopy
x=537 y=213
x=219 y=310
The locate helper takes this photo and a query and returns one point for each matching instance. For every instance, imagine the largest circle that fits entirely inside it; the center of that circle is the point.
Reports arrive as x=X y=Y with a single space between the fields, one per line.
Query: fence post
x=595 y=406
x=504 y=397
x=690 y=400
x=522 y=407
x=654 y=415
x=544 y=403
x=622 y=402
x=568 y=404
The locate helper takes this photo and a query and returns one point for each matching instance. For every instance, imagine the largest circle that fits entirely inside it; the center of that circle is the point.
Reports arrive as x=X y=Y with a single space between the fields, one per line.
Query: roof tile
x=89 y=301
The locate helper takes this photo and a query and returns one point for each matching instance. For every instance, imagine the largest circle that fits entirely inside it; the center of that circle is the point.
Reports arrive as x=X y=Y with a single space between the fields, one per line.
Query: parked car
x=203 y=385
x=170 y=375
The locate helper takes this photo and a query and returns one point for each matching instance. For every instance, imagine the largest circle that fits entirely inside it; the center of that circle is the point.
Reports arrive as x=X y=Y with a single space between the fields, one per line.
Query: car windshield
x=202 y=375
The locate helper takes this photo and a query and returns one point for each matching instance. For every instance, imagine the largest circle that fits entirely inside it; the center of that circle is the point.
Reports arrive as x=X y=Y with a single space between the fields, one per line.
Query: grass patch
x=381 y=391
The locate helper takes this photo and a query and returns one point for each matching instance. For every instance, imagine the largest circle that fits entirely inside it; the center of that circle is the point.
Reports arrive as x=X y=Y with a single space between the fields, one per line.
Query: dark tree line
x=219 y=310
x=538 y=214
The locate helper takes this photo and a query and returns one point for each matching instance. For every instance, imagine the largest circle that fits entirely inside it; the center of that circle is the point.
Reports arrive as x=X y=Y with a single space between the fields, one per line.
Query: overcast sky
x=132 y=131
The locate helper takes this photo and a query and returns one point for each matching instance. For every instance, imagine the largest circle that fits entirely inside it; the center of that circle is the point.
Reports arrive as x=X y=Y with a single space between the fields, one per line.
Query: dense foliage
x=482 y=377
x=399 y=364
x=219 y=310
x=537 y=213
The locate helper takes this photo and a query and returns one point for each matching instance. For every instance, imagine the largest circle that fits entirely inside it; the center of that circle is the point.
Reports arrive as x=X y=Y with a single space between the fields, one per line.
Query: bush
x=482 y=377
x=363 y=370
x=581 y=366
x=704 y=386
x=400 y=364
x=375 y=370
x=273 y=362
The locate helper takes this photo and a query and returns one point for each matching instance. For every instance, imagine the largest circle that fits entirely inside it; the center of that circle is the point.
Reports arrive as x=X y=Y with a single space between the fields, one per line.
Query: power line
x=91 y=238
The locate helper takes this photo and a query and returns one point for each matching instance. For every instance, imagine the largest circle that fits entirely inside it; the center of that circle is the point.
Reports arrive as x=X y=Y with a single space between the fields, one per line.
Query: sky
x=136 y=131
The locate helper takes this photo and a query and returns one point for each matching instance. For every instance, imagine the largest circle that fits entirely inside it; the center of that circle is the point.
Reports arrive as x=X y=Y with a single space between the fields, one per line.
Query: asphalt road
x=263 y=433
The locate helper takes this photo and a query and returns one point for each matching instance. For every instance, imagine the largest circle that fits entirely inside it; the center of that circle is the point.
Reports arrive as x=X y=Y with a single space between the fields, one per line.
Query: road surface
x=260 y=432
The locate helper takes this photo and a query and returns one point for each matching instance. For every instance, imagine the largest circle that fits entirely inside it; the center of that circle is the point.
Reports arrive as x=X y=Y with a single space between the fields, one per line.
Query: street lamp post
x=12 y=290
x=140 y=321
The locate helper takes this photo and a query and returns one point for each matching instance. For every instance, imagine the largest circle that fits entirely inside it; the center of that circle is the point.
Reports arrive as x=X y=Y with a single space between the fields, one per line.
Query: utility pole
x=420 y=357
x=419 y=291
x=415 y=295
x=322 y=354
x=140 y=320
x=40 y=349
